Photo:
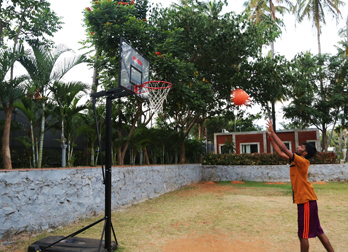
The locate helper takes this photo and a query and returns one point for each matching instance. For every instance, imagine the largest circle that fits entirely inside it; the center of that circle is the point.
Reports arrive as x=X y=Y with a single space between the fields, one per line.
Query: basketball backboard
x=134 y=68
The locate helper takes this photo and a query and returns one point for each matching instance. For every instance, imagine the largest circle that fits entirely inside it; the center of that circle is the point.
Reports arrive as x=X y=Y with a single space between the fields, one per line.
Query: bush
x=324 y=158
x=22 y=158
x=262 y=159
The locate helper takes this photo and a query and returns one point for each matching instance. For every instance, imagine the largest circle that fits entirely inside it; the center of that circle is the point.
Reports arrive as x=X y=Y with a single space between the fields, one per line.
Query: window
x=249 y=148
x=287 y=144
x=227 y=149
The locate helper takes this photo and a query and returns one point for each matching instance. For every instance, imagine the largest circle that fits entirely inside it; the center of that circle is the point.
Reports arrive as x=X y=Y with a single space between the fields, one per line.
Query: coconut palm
x=10 y=90
x=65 y=98
x=28 y=108
x=260 y=10
x=44 y=68
x=88 y=126
x=315 y=11
x=342 y=48
x=213 y=8
x=257 y=10
x=185 y=3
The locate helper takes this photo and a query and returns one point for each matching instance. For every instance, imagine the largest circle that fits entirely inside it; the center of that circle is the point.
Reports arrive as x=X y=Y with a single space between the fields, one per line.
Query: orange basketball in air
x=239 y=97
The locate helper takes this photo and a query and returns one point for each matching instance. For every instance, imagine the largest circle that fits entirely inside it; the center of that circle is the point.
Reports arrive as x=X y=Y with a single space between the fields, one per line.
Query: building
x=256 y=141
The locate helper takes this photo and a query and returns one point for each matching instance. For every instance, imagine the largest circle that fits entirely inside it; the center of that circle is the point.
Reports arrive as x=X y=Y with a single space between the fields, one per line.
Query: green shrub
x=262 y=159
x=324 y=158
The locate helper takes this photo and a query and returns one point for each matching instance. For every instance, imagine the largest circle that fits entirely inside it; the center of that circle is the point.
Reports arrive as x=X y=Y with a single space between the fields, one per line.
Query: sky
x=295 y=38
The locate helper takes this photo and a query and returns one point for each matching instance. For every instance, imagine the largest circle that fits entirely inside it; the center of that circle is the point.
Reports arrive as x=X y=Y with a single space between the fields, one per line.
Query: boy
x=303 y=192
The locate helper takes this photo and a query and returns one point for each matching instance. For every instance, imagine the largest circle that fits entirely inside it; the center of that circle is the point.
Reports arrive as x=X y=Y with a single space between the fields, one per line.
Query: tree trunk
x=120 y=160
x=199 y=130
x=182 y=151
x=340 y=140
x=1 y=28
x=147 y=160
x=272 y=10
x=324 y=143
x=95 y=80
x=62 y=138
x=33 y=144
x=318 y=37
x=92 y=156
x=37 y=151
x=6 y=153
x=42 y=135
x=274 y=116
x=331 y=133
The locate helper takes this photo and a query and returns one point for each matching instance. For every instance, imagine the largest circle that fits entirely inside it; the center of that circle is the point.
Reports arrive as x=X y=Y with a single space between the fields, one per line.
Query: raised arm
x=276 y=148
x=276 y=141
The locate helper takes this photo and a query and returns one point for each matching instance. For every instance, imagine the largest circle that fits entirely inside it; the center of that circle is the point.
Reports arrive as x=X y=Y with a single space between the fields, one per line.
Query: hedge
x=263 y=159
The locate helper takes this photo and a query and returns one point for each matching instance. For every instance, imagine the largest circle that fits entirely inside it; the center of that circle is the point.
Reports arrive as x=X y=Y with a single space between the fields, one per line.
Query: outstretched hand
x=269 y=134
x=269 y=126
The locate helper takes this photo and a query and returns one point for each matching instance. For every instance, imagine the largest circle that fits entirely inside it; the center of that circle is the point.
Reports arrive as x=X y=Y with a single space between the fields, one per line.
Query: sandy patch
x=215 y=243
x=319 y=183
x=237 y=182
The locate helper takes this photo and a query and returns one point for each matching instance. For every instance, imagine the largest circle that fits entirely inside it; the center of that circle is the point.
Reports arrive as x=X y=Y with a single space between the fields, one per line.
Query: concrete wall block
x=273 y=173
x=41 y=199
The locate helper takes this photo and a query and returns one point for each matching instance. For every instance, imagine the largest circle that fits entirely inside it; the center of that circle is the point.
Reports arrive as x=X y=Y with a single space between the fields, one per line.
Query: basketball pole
x=108 y=161
x=110 y=96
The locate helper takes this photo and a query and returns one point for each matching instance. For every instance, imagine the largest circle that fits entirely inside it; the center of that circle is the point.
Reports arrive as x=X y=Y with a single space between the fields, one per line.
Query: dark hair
x=310 y=149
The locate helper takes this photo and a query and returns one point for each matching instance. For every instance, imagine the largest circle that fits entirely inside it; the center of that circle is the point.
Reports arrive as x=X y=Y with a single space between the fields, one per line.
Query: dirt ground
x=217 y=242
x=211 y=240
x=220 y=242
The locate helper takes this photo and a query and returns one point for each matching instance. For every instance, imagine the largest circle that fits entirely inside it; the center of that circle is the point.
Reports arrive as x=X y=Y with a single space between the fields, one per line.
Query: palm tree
x=342 y=48
x=184 y=3
x=213 y=8
x=10 y=90
x=256 y=10
x=260 y=10
x=88 y=126
x=28 y=108
x=65 y=98
x=43 y=68
x=315 y=10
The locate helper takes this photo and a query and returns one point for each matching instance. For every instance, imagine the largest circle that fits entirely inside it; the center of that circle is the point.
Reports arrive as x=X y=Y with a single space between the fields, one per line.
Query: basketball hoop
x=156 y=92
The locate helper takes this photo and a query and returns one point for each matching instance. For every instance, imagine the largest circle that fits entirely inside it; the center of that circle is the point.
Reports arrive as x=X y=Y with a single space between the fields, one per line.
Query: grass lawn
x=219 y=217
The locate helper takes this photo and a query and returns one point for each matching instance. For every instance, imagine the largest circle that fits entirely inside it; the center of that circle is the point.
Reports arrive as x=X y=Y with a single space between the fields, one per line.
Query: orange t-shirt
x=302 y=189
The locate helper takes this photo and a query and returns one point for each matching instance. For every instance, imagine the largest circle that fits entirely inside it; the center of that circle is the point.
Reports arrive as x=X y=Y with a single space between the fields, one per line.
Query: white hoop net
x=157 y=92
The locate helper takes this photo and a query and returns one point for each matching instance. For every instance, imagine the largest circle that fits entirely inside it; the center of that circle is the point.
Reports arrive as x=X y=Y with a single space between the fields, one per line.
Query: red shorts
x=308 y=220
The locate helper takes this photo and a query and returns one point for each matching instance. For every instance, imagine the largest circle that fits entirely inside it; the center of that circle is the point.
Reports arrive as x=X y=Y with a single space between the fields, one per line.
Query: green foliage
x=324 y=158
x=339 y=155
x=229 y=146
x=194 y=148
x=162 y=145
x=107 y=22
x=265 y=79
x=318 y=93
x=197 y=51
x=262 y=159
x=26 y=20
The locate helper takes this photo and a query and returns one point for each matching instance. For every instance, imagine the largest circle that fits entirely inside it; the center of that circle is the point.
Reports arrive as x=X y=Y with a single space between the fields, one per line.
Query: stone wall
x=38 y=199
x=272 y=173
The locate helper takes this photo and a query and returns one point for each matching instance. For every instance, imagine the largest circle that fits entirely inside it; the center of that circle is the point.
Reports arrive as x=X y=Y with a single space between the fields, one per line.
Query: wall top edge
x=90 y=167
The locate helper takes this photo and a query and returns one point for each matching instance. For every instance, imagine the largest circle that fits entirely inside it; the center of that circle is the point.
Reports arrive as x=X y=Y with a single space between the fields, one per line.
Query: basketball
x=239 y=97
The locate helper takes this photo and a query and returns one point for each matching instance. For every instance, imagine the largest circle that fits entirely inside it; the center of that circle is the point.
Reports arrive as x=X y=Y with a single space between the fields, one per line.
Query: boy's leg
x=325 y=241
x=304 y=245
